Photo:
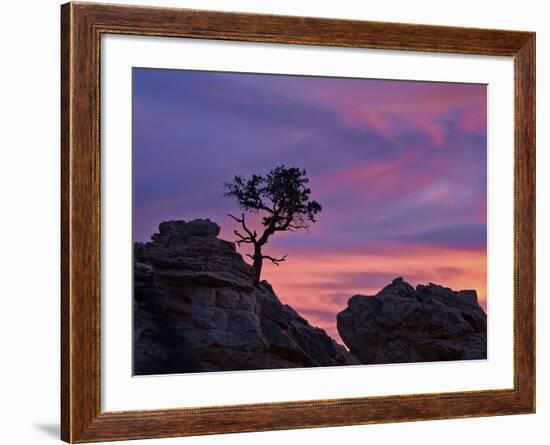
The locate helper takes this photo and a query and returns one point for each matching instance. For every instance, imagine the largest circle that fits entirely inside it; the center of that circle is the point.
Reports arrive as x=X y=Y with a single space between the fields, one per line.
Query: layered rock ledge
x=197 y=308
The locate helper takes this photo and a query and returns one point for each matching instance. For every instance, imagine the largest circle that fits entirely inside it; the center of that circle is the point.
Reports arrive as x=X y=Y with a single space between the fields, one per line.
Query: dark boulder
x=401 y=324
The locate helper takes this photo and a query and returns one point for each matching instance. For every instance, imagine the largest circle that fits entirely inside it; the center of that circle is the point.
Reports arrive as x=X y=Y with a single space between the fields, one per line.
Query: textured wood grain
x=82 y=27
x=524 y=255
x=65 y=227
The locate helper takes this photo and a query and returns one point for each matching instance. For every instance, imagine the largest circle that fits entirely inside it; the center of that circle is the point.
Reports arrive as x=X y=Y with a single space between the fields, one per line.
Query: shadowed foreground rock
x=196 y=308
x=401 y=324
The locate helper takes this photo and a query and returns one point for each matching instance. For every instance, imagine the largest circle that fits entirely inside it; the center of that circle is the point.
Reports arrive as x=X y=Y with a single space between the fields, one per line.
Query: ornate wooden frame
x=82 y=25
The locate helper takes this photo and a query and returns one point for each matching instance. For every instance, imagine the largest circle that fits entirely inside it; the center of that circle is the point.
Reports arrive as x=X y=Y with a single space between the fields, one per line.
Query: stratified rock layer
x=197 y=308
x=401 y=324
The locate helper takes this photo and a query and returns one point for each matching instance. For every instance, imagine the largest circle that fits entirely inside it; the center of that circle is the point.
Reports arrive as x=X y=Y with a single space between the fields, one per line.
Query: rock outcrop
x=197 y=308
x=401 y=324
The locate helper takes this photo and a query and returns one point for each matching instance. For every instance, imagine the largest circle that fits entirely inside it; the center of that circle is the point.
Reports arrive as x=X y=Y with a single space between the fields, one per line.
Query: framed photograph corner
x=274 y=222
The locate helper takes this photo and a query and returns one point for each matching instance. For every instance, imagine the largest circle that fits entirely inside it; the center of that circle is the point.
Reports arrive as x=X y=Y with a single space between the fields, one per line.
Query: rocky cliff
x=196 y=308
x=402 y=324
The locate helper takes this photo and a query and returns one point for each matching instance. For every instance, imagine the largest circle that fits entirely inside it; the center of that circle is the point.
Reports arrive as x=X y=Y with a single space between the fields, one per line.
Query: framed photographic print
x=275 y=222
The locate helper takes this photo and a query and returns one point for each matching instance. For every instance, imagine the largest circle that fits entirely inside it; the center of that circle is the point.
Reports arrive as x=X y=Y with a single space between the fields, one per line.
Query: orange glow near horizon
x=318 y=281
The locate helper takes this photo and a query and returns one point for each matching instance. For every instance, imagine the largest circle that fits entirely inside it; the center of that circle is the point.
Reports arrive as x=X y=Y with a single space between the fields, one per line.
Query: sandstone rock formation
x=196 y=308
x=401 y=324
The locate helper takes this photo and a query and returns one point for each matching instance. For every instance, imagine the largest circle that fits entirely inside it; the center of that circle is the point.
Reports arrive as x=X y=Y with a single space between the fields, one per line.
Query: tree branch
x=251 y=234
x=275 y=261
x=243 y=239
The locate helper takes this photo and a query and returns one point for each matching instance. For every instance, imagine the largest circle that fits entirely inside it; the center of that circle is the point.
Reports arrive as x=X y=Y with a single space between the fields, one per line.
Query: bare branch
x=243 y=239
x=235 y=218
x=275 y=261
x=251 y=234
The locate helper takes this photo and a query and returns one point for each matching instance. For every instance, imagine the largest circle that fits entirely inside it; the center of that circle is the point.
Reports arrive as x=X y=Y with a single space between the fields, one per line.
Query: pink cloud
x=386 y=105
x=377 y=181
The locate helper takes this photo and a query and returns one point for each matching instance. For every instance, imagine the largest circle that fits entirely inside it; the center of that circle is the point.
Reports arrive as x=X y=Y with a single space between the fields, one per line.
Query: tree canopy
x=283 y=197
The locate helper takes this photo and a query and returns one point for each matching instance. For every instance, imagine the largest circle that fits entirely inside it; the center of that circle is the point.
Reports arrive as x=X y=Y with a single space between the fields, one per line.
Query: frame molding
x=82 y=25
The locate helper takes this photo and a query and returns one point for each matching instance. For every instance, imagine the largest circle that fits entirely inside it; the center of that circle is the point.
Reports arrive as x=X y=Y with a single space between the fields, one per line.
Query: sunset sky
x=399 y=167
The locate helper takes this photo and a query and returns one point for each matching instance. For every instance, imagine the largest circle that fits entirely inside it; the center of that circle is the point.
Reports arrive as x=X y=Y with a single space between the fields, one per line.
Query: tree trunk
x=257 y=264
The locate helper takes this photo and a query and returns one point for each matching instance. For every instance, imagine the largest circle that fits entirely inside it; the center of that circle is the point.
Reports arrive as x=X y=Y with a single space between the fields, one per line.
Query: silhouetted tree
x=283 y=197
